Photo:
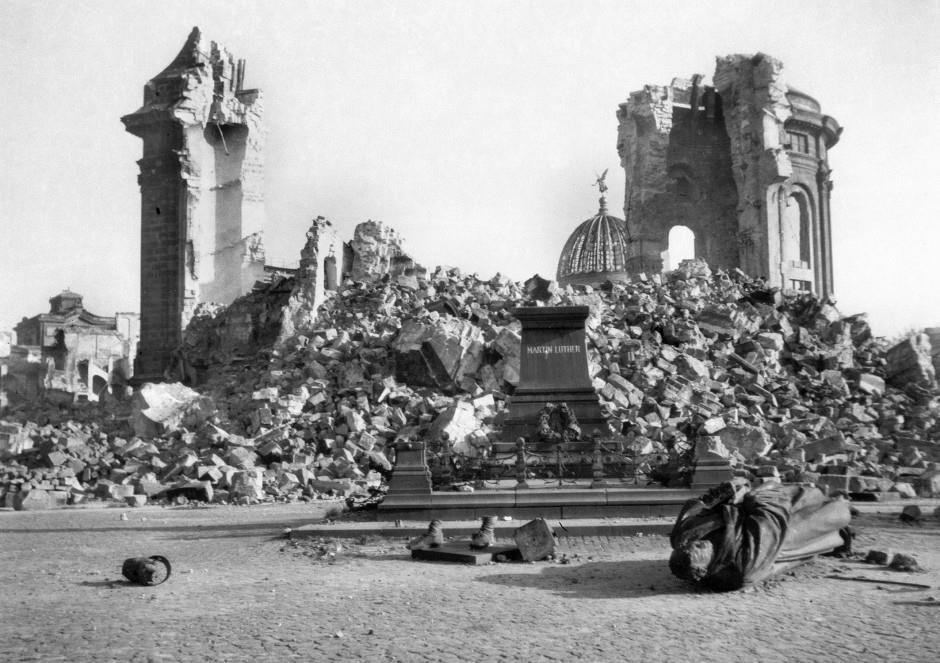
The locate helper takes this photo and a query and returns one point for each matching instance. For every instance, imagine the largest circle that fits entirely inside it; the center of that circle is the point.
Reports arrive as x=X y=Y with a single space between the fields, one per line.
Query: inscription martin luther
x=553 y=369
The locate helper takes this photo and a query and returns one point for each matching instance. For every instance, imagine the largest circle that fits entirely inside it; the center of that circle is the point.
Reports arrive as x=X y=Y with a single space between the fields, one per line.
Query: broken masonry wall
x=645 y=121
x=310 y=280
x=201 y=181
x=675 y=151
x=933 y=335
x=742 y=164
x=376 y=250
x=755 y=110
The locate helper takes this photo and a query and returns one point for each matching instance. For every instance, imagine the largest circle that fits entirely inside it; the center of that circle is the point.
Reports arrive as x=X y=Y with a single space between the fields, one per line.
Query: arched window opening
x=683 y=188
x=681 y=247
x=796 y=232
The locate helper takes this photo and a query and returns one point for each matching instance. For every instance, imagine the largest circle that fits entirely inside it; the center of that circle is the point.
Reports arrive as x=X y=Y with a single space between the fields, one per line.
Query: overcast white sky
x=473 y=128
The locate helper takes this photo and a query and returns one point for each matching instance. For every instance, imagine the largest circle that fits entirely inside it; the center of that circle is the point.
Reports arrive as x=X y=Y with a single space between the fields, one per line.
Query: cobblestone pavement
x=240 y=591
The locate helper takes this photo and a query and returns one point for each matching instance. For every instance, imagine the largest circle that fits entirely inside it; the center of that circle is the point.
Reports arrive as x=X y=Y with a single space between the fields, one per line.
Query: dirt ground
x=240 y=591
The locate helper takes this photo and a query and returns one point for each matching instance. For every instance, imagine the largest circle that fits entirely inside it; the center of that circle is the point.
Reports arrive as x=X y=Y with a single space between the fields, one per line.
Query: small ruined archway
x=680 y=246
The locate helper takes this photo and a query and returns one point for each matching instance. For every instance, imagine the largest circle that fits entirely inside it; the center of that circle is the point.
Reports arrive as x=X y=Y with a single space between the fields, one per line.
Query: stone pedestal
x=553 y=369
x=710 y=473
x=411 y=475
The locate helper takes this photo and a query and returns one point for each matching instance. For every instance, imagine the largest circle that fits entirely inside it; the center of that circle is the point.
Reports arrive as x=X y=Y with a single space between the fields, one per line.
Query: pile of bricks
x=688 y=365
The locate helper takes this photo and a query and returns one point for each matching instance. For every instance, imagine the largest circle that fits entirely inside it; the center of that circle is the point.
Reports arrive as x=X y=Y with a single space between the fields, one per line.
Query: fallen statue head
x=691 y=560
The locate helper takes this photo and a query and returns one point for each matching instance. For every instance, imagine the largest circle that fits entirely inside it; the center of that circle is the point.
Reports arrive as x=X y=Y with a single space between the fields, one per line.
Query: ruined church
x=202 y=193
x=742 y=164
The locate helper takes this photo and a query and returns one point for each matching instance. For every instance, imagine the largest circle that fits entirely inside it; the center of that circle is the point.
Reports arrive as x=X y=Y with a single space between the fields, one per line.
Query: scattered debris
x=879 y=581
x=911 y=514
x=881 y=557
x=151 y=570
x=907 y=563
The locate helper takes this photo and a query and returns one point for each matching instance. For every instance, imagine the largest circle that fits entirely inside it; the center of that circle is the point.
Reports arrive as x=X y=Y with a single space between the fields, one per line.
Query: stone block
x=871 y=384
x=241 y=458
x=158 y=408
x=865 y=484
x=59 y=497
x=135 y=500
x=710 y=448
x=910 y=361
x=535 y=540
x=911 y=513
x=33 y=500
x=713 y=425
x=750 y=441
x=928 y=484
x=831 y=483
x=120 y=491
x=247 y=484
x=904 y=489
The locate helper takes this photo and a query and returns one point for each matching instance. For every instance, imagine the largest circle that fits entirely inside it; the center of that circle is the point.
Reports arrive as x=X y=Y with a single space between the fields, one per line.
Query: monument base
x=710 y=473
x=462 y=553
x=525 y=405
x=410 y=475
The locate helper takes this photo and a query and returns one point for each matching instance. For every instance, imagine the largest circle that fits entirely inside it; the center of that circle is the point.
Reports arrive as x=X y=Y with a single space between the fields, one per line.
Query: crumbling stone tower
x=202 y=192
x=743 y=164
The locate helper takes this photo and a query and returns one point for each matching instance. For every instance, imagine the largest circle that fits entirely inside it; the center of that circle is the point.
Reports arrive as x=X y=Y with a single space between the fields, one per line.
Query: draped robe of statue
x=733 y=535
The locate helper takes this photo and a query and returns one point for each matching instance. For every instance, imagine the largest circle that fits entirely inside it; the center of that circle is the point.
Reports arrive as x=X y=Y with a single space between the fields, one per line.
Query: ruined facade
x=742 y=163
x=201 y=184
x=80 y=353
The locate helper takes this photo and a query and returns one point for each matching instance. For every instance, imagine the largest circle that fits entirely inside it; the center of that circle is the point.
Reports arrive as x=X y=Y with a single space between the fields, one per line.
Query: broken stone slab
x=437 y=354
x=164 y=407
x=460 y=552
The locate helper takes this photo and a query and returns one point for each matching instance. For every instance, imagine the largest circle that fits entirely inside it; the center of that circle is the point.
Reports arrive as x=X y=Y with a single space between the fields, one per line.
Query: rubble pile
x=688 y=365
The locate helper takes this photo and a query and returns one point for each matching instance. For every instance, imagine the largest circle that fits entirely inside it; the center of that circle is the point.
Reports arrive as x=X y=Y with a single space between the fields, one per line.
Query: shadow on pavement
x=109 y=584
x=599 y=580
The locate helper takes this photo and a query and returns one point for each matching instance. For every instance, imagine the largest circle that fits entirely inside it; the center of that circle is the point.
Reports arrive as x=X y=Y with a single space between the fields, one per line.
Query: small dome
x=596 y=251
x=802 y=101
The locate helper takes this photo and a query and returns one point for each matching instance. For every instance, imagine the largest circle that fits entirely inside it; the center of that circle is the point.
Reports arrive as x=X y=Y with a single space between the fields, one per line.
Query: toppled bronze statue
x=735 y=536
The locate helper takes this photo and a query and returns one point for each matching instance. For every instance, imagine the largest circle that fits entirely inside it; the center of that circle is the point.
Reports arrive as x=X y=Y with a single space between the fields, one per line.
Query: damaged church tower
x=743 y=165
x=202 y=193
